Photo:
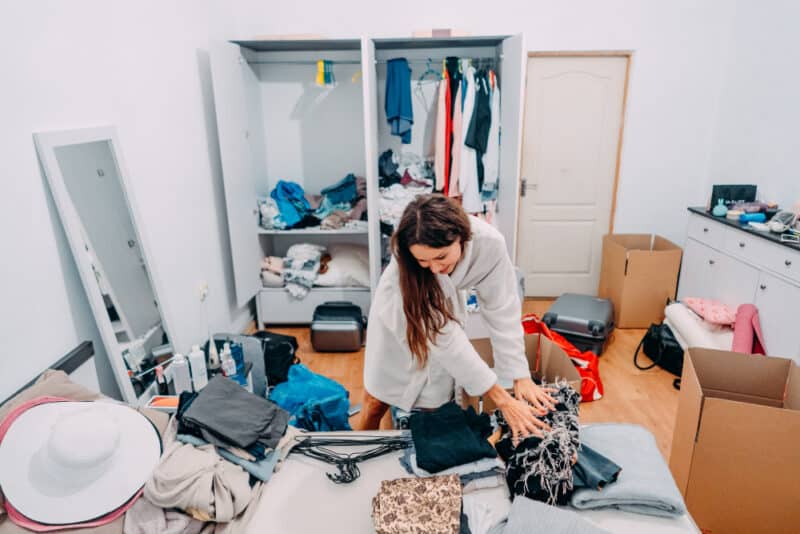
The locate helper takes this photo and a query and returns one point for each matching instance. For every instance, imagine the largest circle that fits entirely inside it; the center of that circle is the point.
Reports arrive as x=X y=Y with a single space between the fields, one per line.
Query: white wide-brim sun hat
x=73 y=462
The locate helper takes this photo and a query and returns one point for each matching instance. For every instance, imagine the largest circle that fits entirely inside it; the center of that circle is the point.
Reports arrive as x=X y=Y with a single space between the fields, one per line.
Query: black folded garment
x=226 y=414
x=450 y=436
x=593 y=470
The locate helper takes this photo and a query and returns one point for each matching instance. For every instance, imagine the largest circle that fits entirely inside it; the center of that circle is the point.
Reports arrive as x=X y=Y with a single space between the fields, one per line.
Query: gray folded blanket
x=645 y=485
x=531 y=517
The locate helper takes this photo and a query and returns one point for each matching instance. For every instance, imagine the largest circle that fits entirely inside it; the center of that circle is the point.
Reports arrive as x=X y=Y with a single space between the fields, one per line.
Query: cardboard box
x=546 y=360
x=638 y=274
x=736 y=445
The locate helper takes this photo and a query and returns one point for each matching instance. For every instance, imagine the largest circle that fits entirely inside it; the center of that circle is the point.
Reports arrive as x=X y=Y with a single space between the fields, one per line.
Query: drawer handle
x=705 y=230
x=788 y=263
x=763 y=287
x=741 y=244
x=711 y=262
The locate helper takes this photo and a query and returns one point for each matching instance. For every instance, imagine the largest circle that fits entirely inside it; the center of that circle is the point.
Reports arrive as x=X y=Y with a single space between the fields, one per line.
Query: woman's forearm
x=499 y=396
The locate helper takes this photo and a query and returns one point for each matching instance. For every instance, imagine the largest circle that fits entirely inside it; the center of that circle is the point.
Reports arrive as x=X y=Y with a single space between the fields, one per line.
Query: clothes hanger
x=418 y=90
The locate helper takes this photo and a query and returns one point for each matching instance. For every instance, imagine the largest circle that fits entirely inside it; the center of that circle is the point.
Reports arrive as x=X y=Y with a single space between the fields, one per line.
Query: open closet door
x=512 y=106
x=241 y=148
x=370 y=100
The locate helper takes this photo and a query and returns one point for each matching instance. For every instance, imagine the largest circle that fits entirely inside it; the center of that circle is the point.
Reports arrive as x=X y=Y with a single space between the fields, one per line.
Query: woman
x=417 y=350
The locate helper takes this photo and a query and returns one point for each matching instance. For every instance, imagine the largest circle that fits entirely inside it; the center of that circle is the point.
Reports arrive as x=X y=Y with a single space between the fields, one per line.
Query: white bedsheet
x=692 y=331
x=300 y=499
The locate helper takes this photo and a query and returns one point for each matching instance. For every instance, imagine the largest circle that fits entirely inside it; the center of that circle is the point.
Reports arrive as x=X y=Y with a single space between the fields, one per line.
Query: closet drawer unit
x=781 y=260
x=707 y=231
x=277 y=306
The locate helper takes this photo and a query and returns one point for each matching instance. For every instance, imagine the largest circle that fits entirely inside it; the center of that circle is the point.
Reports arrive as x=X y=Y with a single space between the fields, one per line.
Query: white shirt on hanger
x=468 y=165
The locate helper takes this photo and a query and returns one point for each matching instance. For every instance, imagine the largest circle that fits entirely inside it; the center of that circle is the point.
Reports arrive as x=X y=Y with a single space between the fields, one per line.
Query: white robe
x=390 y=372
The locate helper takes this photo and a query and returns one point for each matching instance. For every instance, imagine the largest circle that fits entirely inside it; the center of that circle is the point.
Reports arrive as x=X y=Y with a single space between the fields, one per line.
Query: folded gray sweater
x=645 y=485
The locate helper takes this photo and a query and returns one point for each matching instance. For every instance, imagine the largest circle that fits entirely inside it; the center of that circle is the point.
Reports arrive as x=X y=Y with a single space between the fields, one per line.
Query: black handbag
x=279 y=355
x=660 y=345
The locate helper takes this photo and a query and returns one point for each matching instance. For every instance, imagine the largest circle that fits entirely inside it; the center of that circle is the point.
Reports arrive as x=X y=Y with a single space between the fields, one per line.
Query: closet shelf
x=405 y=43
x=300 y=45
x=315 y=230
x=317 y=289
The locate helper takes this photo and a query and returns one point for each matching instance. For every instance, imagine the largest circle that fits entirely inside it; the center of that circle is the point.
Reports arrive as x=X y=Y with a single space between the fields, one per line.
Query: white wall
x=679 y=47
x=756 y=139
x=141 y=66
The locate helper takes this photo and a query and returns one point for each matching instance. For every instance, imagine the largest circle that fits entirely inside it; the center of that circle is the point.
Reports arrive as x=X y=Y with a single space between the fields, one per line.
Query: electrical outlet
x=203 y=291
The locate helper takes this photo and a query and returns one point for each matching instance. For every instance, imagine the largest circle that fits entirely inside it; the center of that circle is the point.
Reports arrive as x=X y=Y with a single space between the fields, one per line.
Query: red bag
x=587 y=363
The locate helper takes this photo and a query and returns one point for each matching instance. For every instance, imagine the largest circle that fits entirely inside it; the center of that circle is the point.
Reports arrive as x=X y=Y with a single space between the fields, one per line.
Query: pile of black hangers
x=347 y=463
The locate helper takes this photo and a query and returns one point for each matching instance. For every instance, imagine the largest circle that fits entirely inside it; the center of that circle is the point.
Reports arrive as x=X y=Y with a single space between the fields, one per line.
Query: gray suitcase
x=586 y=321
x=337 y=327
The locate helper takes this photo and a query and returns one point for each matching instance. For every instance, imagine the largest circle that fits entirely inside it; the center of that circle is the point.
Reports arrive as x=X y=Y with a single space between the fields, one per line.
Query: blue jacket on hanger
x=399 y=112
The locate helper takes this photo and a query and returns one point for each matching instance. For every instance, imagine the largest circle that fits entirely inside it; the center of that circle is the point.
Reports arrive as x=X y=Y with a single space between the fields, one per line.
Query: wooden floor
x=646 y=398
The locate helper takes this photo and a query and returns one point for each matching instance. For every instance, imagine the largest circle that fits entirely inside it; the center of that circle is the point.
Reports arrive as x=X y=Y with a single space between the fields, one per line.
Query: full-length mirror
x=95 y=205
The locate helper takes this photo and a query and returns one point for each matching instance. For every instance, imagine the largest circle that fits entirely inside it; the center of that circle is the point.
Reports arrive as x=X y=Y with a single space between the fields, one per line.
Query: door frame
x=628 y=55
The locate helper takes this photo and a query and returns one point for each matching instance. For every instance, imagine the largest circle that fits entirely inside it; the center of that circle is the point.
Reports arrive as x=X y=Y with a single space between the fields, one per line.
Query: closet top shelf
x=301 y=45
x=438 y=42
x=315 y=230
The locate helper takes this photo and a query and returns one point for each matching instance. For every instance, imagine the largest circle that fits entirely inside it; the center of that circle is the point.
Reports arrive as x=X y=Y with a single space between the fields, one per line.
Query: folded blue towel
x=398 y=107
x=645 y=484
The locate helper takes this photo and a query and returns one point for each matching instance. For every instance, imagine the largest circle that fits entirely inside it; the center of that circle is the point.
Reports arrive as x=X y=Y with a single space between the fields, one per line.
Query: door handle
x=523 y=187
x=131 y=243
x=788 y=263
x=705 y=230
x=763 y=287
x=711 y=262
x=741 y=244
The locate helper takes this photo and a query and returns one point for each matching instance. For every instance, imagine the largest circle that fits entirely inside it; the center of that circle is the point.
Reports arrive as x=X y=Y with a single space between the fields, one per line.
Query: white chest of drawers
x=736 y=266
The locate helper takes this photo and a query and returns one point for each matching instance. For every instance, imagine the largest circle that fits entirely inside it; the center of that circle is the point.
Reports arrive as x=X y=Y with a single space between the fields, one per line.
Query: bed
x=300 y=499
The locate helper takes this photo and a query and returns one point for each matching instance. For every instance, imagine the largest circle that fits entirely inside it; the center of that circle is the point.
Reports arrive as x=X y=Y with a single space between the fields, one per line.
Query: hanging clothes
x=458 y=125
x=491 y=160
x=454 y=75
x=442 y=156
x=468 y=165
x=478 y=132
x=399 y=111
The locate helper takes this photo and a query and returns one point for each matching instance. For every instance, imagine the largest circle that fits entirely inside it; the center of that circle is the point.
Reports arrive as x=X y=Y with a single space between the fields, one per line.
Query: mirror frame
x=46 y=143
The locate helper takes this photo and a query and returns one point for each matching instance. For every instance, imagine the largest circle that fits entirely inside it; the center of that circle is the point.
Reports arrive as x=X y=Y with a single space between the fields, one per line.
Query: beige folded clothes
x=200 y=482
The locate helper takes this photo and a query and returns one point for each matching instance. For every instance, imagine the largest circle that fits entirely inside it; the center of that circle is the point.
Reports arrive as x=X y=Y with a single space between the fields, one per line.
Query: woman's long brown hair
x=434 y=221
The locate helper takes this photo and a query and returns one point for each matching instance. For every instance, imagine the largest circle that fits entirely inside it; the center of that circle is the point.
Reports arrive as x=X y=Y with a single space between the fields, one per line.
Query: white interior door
x=573 y=116
x=241 y=143
x=370 y=102
x=512 y=93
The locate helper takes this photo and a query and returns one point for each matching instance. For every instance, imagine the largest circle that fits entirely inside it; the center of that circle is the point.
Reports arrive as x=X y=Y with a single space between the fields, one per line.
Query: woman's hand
x=538 y=397
x=520 y=416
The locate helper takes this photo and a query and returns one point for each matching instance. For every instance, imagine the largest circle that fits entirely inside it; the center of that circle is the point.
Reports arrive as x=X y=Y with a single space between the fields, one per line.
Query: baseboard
x=242 y=322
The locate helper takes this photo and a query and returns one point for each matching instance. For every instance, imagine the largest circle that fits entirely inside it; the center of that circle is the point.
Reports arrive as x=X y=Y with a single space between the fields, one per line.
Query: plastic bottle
x=161 y=381
x=197 y=364
x=213 y=355
x=227 y=362
x=181 y=378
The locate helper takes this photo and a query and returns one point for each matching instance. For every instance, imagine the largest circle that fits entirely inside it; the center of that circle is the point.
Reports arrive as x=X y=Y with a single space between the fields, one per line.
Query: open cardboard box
x=639 y=273
x=736 y=445
x=546 y=360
